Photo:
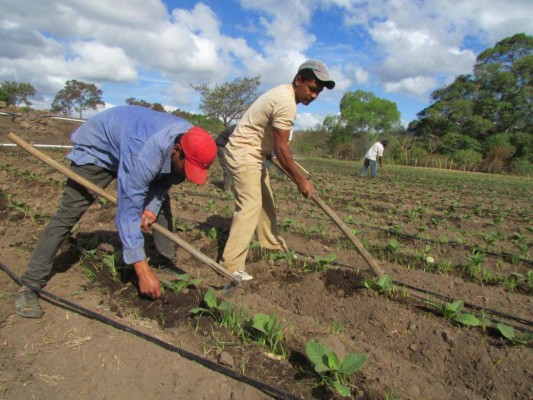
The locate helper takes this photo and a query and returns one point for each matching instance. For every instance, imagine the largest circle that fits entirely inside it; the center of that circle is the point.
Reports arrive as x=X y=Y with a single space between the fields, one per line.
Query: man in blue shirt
x=147 y=152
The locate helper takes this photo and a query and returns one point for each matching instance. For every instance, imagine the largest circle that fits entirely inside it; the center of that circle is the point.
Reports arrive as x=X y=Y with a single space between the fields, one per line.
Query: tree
x=132 y=101
x=497 y=99
x=211 y=125
x=5 y=96
x=19 y=92
x=362 y=113
x=230 y=100
x=77 y=96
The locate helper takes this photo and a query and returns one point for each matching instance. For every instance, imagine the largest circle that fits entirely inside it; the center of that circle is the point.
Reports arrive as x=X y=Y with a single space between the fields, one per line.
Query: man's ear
x=297 y=80
x=178 y=150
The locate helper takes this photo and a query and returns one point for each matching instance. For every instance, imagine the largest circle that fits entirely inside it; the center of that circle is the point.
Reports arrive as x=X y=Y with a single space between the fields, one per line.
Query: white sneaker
x=243 y=275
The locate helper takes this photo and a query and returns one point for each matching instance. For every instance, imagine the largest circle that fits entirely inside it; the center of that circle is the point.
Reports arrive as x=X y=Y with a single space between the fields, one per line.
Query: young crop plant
x=236 y=320
x=181 y=282
x=212 y=307
x=510 y=334
x=382 y=285
x=212 y=233
x=473 y=264
x=286 y=225
x=335 y=373
x=454 y=312
x=270 y=333
x=112 y=262
x=392 y=246
x=322 y=263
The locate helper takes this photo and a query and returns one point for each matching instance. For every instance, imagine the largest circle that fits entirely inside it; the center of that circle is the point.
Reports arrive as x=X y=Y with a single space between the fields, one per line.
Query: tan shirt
x=253 y=139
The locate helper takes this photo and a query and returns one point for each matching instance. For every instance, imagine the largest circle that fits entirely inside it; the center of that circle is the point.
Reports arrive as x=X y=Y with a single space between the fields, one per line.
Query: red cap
x=200 y=151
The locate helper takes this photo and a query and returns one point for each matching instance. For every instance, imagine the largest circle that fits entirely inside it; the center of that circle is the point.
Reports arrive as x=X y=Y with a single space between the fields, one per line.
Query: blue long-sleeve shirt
x=135 y=142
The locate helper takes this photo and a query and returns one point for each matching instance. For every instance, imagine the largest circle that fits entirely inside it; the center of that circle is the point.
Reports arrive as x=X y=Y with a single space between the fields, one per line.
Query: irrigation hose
x=56 y=300
x=449 y=299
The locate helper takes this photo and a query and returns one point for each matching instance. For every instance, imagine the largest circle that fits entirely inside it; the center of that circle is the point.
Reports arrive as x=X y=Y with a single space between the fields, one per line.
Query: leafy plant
x=509 y=333
x=382 y=285
x=212 y=307
x=112 y=261
x=335 y=373
x=286 y=225
x=392 y=246
x=181 y=282
x=236 y=319
x=322 y=263
x=453 y=312
x=271 y=332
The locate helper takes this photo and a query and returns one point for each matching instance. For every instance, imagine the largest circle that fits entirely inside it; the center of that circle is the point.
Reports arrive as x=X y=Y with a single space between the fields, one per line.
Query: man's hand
x=148 y=218
x=149 y=285
x=306 y=188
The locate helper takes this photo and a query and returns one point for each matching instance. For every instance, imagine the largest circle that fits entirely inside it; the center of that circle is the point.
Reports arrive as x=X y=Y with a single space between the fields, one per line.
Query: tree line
x=482 y=121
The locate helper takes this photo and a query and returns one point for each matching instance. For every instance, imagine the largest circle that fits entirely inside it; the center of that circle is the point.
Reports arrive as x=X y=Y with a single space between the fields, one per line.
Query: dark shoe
x=27 y=304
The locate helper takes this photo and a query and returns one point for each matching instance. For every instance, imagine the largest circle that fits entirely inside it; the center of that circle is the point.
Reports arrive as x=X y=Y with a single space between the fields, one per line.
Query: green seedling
x=112 y=261
x=334 y=372
x=211 y=205
x=322 y=263
x=392 y=246
x=453 y=312
x=236 y=319
x=212 y=233
x=181 y=282
x=509 y=333
x=212 y=308
x=286 y=225
x=382 y=285
x=270 y=333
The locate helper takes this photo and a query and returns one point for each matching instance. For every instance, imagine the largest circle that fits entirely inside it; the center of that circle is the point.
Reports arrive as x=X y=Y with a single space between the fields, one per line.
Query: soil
x=413 y=352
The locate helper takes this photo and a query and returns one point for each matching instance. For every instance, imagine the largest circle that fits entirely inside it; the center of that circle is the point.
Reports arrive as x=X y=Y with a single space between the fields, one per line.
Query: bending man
x=148 y=152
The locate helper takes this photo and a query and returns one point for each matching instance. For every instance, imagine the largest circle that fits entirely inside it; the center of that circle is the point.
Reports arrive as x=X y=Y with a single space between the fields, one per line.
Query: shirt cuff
x=133 y=255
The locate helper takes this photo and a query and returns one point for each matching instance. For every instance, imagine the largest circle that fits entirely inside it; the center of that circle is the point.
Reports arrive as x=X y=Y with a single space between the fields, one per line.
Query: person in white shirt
x=372 y=157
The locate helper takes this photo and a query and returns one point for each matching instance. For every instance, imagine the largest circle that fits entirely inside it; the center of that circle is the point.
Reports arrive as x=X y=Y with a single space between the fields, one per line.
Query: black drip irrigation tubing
x=425 y=291
x=469 y=305
x=53 y=299
x=448 y=299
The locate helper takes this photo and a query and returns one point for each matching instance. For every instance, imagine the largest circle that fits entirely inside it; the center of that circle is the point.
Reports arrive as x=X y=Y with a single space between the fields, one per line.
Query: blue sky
x=400 y=50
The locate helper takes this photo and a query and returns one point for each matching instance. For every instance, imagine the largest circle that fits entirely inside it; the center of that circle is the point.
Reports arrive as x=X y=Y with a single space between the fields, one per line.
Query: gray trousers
x=76 y=199
x=228 y=179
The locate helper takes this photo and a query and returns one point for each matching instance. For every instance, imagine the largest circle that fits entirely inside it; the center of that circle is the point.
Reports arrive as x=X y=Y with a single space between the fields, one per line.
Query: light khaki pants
x=254 y=212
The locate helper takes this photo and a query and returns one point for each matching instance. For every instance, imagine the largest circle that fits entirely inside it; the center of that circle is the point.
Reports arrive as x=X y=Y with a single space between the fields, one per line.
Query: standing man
x=266 y=127
x=373 y=156
x=148 y=152
x=221 y=141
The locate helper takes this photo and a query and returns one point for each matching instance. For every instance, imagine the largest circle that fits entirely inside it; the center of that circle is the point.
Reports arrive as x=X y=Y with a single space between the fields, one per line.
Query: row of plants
x=453 y=312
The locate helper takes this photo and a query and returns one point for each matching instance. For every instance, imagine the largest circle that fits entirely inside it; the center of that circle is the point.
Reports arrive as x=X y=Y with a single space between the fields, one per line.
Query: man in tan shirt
x=266 y=127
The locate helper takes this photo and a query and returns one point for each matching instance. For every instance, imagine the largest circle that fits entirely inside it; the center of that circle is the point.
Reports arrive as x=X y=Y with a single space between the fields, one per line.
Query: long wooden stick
x=342 y=226
x=387 y=172
x=95 y=188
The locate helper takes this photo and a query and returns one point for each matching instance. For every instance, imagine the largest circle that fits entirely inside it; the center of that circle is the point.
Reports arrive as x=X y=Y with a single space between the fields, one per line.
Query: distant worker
x=221 y=141
x=266 y=127
x=147 y=152
x=372 y=157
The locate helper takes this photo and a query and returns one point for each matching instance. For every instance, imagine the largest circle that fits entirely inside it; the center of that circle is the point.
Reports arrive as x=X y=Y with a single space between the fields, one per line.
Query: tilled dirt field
x=413 y=352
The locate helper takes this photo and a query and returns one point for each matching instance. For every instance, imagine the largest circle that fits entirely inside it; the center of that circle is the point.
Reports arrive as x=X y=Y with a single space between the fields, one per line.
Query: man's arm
x=283 y=154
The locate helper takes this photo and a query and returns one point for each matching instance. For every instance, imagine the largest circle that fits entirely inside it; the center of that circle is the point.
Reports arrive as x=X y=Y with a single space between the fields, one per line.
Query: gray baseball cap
x=320 y=70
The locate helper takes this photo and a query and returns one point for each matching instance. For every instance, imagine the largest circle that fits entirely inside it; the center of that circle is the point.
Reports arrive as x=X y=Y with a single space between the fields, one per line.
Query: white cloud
x=419 y=85
x=307 y=120
x=361 y=76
